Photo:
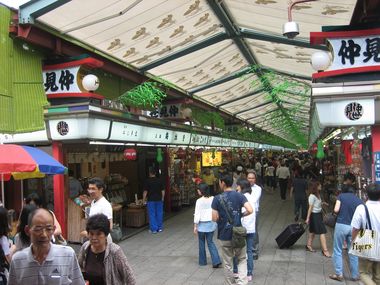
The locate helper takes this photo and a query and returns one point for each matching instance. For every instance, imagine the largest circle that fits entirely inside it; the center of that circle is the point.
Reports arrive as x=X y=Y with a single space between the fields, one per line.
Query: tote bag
x=366 y=244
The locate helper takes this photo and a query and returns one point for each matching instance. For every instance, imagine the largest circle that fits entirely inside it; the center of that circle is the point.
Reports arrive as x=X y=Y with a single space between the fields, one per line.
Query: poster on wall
x=208 y=159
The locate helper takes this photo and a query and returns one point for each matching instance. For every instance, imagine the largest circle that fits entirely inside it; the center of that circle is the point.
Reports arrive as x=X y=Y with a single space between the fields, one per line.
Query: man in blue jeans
x=154 y=194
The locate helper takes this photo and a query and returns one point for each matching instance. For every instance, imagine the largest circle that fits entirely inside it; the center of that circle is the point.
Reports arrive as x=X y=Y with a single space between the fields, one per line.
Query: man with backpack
x=225 y=207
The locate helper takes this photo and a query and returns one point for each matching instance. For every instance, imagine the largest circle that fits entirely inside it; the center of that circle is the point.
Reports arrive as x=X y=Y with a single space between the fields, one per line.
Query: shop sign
x=80 y=128
x=352 y=51
x=155 y=135
x=62 y=128
x=377 y=167
x=215 y=141
x=226 y=142
x=199 y=139
x=346 y=112
x=61 y=80
x=126 y=132
x=166 y=111
x=180 y=137
x=241 y=143
x=355 y=52
x=234 y=143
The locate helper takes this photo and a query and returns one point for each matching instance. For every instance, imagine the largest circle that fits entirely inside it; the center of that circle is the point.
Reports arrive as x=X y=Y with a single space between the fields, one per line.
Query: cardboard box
x=135 y=217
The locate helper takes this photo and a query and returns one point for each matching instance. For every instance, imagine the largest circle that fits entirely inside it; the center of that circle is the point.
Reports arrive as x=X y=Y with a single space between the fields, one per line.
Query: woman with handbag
x=204 y=227
x=315 y=220
x=345 y=206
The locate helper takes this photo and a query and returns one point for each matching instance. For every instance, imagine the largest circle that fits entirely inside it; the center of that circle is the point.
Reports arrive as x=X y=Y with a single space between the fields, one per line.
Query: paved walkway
x=171 y=257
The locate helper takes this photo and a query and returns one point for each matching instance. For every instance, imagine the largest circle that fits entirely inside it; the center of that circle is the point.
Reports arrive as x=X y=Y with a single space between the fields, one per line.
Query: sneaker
x=217 y=265
x=249 y=278
x=160 y=230
x=153 y=232
x=236 y=275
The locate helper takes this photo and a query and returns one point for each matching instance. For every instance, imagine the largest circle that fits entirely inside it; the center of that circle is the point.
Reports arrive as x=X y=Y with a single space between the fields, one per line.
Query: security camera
x=290 y=30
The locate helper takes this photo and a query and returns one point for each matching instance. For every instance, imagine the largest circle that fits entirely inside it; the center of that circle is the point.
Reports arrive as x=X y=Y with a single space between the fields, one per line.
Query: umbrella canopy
x=24 y=162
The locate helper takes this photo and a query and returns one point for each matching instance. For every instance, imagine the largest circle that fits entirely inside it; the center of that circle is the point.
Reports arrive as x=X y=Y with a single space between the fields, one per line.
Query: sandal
x=309 y=248
x=336 y=277
x=328 y=255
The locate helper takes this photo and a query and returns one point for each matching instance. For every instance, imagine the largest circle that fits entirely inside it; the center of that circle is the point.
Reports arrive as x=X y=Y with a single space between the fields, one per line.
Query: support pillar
x=59 y=189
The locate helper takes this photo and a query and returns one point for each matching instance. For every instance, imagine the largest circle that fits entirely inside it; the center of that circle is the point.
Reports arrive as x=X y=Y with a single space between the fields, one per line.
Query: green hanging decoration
x=147 y=95
x=320 y=152
x=213 y=154
x=159 y=155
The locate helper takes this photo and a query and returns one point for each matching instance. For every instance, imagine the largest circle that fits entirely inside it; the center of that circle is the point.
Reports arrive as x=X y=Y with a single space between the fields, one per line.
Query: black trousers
x=283 y=187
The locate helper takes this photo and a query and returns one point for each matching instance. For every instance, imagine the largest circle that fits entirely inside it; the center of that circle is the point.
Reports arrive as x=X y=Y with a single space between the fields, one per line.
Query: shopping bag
x=366 y=244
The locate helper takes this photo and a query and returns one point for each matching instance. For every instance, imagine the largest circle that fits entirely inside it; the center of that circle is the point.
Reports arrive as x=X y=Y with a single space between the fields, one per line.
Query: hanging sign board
x=180 y=137
x=156 y=135
x=352 y=51
x=350 y=112
x=199 y=139
x=215 y=141
x=126 y=132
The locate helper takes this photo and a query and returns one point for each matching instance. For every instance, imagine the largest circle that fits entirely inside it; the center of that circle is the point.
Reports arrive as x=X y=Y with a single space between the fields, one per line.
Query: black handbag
x=329 y=219
x=239 y=233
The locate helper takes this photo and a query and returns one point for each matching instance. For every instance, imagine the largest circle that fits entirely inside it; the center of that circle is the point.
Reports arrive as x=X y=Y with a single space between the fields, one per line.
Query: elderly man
x=43 y=262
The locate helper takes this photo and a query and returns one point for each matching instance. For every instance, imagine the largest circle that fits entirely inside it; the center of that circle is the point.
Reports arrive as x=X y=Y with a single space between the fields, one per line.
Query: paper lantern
x=90 y=82
x=159 y=155
x=320 y=152
x=130 y=154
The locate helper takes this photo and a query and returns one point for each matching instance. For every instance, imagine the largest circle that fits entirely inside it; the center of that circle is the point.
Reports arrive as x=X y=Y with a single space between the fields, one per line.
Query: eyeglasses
x=39 y=230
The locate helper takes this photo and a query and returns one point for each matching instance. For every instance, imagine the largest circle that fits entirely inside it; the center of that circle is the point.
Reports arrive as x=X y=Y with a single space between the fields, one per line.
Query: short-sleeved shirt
x=102 y=206
x=4 y=242
x=359 y=219
x=348 y=204
x=234 y=201
x=154 y=187
x=299 y=188
x=316 y=202
x=59 y=268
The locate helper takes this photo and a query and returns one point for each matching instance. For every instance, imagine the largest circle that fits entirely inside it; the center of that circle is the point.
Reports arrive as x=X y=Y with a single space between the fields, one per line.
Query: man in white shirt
x=99 y=204
x=256 y=194
x=283 y=175
x=368 y=268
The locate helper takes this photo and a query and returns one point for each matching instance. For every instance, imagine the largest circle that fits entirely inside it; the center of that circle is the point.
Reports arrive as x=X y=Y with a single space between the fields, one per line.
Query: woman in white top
x=244 y=187
x=315 y=219
x=5 y=256
x=205 y=227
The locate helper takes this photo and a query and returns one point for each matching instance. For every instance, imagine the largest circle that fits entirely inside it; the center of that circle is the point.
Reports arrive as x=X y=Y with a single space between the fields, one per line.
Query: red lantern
x=130 y=154
x=181 y=153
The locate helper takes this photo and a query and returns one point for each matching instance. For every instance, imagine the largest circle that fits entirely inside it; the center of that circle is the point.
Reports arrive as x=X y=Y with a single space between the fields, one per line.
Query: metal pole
x=2 y=189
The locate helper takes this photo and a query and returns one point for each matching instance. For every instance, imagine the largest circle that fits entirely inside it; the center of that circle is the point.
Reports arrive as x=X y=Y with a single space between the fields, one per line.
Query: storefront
x=344 y=102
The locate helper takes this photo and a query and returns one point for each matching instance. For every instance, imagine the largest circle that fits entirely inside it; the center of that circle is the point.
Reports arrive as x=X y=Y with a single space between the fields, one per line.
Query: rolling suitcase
x=290 y=235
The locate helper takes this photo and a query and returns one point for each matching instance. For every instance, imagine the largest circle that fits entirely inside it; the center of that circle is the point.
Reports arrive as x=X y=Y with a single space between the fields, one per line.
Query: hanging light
x=320 y=60
x=90 y=82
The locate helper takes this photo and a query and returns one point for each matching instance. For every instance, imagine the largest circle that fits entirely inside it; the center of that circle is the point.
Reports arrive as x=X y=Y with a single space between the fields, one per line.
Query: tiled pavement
x=171 y=257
